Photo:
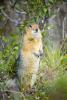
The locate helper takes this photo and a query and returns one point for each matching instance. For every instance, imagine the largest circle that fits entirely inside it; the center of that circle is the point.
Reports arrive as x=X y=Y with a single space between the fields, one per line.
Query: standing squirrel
x=29 y=59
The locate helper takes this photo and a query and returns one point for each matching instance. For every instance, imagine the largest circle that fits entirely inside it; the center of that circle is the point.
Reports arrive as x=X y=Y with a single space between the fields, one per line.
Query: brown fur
x=30 y=56
x=29 y=60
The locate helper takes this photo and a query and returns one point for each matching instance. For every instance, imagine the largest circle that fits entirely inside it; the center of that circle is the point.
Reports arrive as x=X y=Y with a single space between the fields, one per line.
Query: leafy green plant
x=58 y=88
x=9 y=53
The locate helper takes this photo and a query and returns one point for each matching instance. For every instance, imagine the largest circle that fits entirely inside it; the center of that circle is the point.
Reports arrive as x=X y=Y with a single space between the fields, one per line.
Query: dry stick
x=12 y=20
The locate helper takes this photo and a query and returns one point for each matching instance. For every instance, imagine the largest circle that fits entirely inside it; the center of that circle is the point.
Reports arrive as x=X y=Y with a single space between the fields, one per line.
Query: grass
x=51 y=81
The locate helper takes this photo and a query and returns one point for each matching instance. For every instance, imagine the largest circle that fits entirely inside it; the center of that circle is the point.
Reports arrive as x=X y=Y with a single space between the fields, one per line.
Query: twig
x=7 y=16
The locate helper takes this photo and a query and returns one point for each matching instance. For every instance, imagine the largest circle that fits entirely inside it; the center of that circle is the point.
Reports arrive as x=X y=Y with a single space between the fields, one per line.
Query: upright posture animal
x=29 y=59
x=30 y=56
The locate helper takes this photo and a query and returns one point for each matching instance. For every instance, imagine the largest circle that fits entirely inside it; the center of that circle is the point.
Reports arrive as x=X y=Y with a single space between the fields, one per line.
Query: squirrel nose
x=36 y=30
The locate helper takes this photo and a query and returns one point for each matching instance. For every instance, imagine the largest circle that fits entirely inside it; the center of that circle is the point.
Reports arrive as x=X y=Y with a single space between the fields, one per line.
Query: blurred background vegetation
x=15 y=16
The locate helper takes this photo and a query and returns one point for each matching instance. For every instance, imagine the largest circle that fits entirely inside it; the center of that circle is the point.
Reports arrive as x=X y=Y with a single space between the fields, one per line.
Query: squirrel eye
x=30 y=26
